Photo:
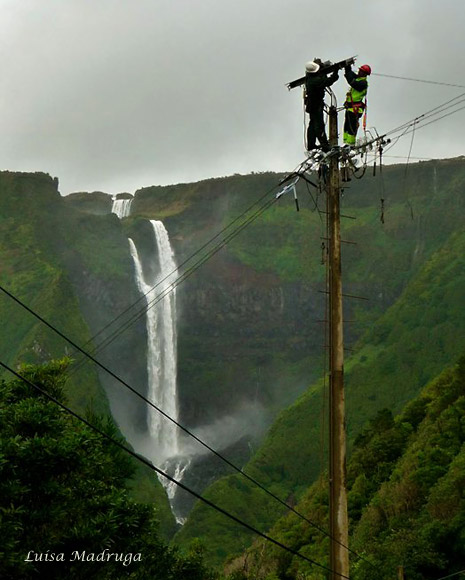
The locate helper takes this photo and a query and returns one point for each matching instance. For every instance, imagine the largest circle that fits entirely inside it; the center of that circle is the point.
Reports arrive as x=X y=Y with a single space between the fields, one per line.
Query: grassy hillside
x=406 y=500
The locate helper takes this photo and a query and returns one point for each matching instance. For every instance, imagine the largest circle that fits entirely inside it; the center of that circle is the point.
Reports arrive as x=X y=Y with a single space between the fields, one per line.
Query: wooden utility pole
x=400 y=573
x=339 y=557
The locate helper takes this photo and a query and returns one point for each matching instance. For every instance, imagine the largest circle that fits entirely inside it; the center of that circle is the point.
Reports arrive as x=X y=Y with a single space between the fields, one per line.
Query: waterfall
x=121 y=207
x=161 y=344
x=160 y=298
x=177 y=470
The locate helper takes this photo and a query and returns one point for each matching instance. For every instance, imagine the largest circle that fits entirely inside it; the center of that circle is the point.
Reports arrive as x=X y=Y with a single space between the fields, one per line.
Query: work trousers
x=351 y=123
x=316 y=128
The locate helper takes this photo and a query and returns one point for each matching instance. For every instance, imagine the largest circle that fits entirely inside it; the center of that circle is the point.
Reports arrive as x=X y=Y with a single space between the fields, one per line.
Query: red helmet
x=365 y=69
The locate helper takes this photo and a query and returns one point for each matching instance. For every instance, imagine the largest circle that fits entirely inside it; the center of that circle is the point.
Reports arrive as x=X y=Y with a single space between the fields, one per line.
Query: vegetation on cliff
x=406 y=497
x=420 y=331
x=246 y=317
x=64 y=492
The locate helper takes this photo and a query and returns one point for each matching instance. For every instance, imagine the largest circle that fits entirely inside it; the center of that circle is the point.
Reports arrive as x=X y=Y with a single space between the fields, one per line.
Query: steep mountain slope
x=36 y=277
x=406 y=497
x=249 y=337
x=419 y=334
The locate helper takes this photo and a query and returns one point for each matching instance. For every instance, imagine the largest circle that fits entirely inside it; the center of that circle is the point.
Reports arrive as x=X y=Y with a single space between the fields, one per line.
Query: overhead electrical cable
x=435 y=120
x=179 y=425
x=181 y=278
x=411 y=157
x=109 y=339
x=431 y=113
x=167 y=476
x=193 y=268
x=451 y=575
x=419 y=121
x=418 y=80
x=417 y=124
x=411 y=127
x=188 y=259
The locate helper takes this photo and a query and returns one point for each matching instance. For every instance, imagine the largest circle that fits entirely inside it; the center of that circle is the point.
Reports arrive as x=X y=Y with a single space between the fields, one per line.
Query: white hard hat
x=312 y=67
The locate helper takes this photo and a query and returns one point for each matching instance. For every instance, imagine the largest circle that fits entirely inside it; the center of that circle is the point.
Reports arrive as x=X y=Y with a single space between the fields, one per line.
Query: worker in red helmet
x=355 y=103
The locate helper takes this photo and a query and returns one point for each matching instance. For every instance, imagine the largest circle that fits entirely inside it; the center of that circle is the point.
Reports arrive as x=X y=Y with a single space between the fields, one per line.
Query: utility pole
x=339 y=556
x=400 y=573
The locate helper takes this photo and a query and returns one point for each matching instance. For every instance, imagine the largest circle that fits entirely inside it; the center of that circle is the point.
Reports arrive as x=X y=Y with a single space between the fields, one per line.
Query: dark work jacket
x=356 y=82
x=315 y=84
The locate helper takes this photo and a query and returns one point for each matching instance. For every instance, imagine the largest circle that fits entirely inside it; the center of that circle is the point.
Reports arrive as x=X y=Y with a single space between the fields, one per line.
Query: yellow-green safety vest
x=354 y=98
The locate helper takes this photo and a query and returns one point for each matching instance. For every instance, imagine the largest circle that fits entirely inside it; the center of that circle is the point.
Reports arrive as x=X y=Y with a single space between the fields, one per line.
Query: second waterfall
x=162 y=343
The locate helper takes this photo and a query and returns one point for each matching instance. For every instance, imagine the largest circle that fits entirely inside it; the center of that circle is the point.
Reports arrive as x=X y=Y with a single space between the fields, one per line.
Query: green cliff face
x=31 y=272
x=66 y=266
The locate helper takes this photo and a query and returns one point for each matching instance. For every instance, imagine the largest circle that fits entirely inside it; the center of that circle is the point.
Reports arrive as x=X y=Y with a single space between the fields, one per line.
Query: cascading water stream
x=162 y=357
x=121 y=207
x=166 y=342
x=164 y=444
x=161 y=343
x=161 y=350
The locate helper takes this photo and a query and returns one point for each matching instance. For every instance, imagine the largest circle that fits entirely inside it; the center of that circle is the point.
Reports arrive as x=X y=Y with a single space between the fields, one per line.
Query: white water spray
x=121 y=207
x=160 y=296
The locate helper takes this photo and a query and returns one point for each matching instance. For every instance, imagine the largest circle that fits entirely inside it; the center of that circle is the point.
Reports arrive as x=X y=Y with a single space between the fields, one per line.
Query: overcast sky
x=113 y=95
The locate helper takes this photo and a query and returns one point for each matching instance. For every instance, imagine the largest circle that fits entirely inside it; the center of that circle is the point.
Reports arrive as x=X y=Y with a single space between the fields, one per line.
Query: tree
x=64 y=506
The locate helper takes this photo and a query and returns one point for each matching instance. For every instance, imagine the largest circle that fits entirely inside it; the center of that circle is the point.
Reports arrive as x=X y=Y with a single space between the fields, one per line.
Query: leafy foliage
x=63 y=489
x=406 y=496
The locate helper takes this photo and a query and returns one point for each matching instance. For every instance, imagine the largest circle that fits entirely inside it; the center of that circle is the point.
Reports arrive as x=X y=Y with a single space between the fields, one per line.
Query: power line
x=166 y=475
x=418 y=122
x=418 y=80
x=181 y=278
x=191 y=269
x=111 y=322
x=186 y=273
x=451 y=575
x=438 y=119
x=179 y=425
x=432 y=112
x=411 y=157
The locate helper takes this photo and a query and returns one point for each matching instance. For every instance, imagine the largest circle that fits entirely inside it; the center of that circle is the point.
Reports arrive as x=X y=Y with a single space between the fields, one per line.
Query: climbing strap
x=364 y=123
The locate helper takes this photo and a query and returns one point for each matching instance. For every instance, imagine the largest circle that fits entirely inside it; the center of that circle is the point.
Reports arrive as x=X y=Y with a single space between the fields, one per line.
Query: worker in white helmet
x=316 y=81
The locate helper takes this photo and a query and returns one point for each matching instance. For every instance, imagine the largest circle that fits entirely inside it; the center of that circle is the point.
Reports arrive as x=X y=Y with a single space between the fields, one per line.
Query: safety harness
x=354 y=99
